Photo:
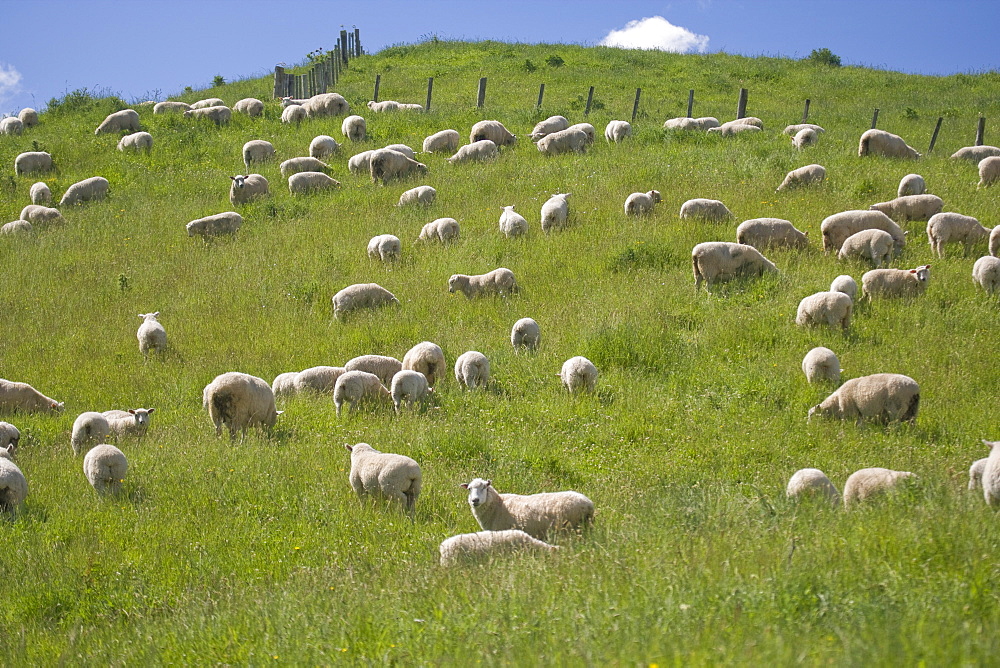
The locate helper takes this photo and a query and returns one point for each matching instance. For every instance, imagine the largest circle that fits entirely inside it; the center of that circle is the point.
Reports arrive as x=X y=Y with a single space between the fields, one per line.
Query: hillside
x=257 y=550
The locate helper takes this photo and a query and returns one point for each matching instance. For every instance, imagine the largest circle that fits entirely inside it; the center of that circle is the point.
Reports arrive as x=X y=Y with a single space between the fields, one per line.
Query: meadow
x=256 y=551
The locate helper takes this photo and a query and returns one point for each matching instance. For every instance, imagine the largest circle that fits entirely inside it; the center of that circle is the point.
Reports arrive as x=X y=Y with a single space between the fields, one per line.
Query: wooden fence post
x=357 y=42
x=741 y=105
x=590 y=99
x=980 y=131
x=279 y=81
x=430 y=87
x=937 y=128
x=378 y=80
x=690 y=103
x=343 y=49
x=635 y=105
x=481 y=98
x=874 y=118
x=805 y=112
x=541 y=94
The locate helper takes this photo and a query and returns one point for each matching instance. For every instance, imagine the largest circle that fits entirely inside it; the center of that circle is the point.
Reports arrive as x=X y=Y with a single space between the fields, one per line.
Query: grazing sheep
x=238 y=401
x=303 y=164
x=151 y=334
x=588 y=130
x=248 y=187
x=40 y=193
x=384 y=106
x=137 y=141
x=866 y=483
x=548 y=126
x=388 y=164
x=578 y=374
x=420 y=195
x=525 y=334
x=953 y=227
x=89 y=427
x=684 y=123
x=803 y=176
x=250 y=106
x=170 y=106
x=482 y=545
x=320 y=379
x=497 y=282
x=220 y=115
x=441 y=229
x=617 y=131
x=720 y=261
x=427 y=358
x=845 y=284
x=910 y=207
x=9 y=436
x=911 y=184
x=16 y=227
x=569 y=140
x=512 y=224
x=821 y=364
x=880 y=142
x=709 y=210
x=555 y=212
x=354 y=128
x=875 y=246
x=445 y=141
x=21 y=397
x=472 y=370
x=837 y=227
x=354 y=387
x=994 y=241
x=383 y=474
x=770 y=232
x=383 y=366
x=133 y=422
x=284 y=383
x=360 y=163
x=493 y=131
x=986 y=273
x=384 y=247
x=991 y=474
x=638 y=204
x=976 y=473
x=361 y=296
x=326 y=104
x=105 y=467
x=479 y=151
x=535 y=514
x=734 y=128
x=304 y=183
x=13 y=485
x=792 y=130
x=93 y=189
x=409 y=387
x=402 y=148
x=811 y=483
x=989 y=171
x=37 y=214
x=32 y=162
x=294 y=113
x=884 y=397
x=289 y=101
x=208 y=102
x=895 y=282
x=323 y=146
x=212 y=226
x=805 y=137
x=126 y=119
x=257 y=150
x=28 y=117
x=825 y=308
x=11 y=126
x=975 y=153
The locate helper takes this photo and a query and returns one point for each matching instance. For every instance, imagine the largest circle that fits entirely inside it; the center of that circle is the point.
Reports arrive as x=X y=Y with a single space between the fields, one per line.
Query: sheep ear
x=150 y=411
x=233 y=178
x=489 y=483
x=156 y=315
x=350 y=448
x=913 y=271
x=131 y=411
x=465 y=485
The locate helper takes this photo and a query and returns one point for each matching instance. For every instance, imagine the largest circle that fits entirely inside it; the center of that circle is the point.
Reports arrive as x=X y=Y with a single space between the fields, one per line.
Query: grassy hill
x=257 y=551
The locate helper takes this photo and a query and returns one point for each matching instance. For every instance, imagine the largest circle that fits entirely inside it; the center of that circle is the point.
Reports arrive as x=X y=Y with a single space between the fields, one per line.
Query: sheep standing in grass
x=31 y=162
x=989 y=171
x=11 y=126
x=548 y=126
x=40 y=193
x=388 y=164
x=825 y=308
x=385 y=475
x=383 y=366
x=250 y=106
x=479 y=151
x=975 y=154
x=170 y=106
x=408 y=387
x=487 y=544
x=803 y=176
x=89 y=427
x=21 y=397
x=986 y=273
x=137 y=141
x=133 y=422
x=305 y=183
x=293 y=113
x=770 y=232
x=720 y=261
x=238 y=401
x=361 y=296
x=950 y=227
x=384 y=247
x=867 y=483
x=884 y=397
x=472 y=370
x=208 y=102
x=323 y=146
x=248 y=187
x=684 y=123
x=9 y=436
x=587 y=129
x=709 y=210
x=792 y=130
x=441 y=229
x=13 y=485
x=874 y=246
x=445 y=141
x=105 y=467
x=535 y=514
x=845 y=284
x=525 y=334
x=360 y=163
x=354 y=128
x=991 y=474
x=28 y=117
x=880 y=142
x=302 y=164
x=638 y=204
x=126 y=119
x=284 y=383
x=910 y=207
x=512 y=224
x=93 y=189
x=257 y=150
x=497 y=282
x=326 y=104
x=570 y=140
x=837 y=227
x=578 y=374
x=420 y=195
x=16 y=227
x=821 y=364
x=40 y=215
x=492 y=130
x=616 y=131
x=151 y=334
x=976 y=472
x=895 y=283
x=428 y=359
x=911 y=184
x=805 y=137
x=318 y=379
x=811 y=483
x=220 y=115
x=212 y=226
x=354 y=387
x=555 y=212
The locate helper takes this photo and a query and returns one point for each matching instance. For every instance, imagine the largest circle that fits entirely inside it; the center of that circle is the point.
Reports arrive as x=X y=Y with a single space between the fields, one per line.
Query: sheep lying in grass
x=555 y=212
x=497 y=282
x=792 y=130
x=911 y=184
x=16 y=227
x=13 y=485
x=720 y=261
x=208 y=102
x=361 y=296
x=170 y=106
x=354 y=387
x=388 y=164
x=250 y=106
x=89 y=427
x=305 y=183
x=323 y=146
x=317 y=379
x=535 y=514
x=895 y=283
x=40 y=193
x=493 y=131
x=428 y=359
x=126 y=119
x=354 y=128
x=770 y=232
x=248 y=187
x=238 y=401
x=991 y=474
x=133 y=422
x=837 y=227
x=616 y=131
x=40 y=215
x=874 y=246
x=227 y=222
x=684 y=123
x=638 y=204
x=512 y=224
x=9 y=436
x=151 y=334
x=811 y=483
x=976 y=472
x=950 y=227
x=803 y=176
x=821 y=364
x=479 y=151
x=548 y=126
x=733 y=128
x=488 y=544
x=105 y=467
x=302 y=164
x=137 y=141
x=257 y=150
x=408 y=387
x=31 y=162
x=975 y=153
x=383 y=474
x=383 y=366
x=578 y=374
x=93 y=189
x=884 y=397
x=441 y=229
x=910 y=207
x=219 y=114
x=989 y=171
x=825 y=308
x=867 y=483
x=23 y=398
x=423 y=195
x=805 y=137
x=445 y=141
x=383 y=106
x=472 y=370
x=384 y=247
x=710 y=210
x=880 y=142
x=986 y=274
x=570 y=140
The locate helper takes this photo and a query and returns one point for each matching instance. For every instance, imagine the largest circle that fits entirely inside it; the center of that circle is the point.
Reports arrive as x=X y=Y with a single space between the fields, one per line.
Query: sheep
x=220 y=115
x=845 y=284
x=137 y=141
x=994 y=241
x=383 y=474
x=525 y=334
x=31 y=162
x=875 y=246
x=884 y=397
x=512 y=224
x=133 y=422
x=989 y=171
x=565 y=141
x=976 y=473
x=89 y=427
x=616 y=131
x=326 y=104
x=483 y=545
x=294 y=113
x=289 y=101
x=803 y=176
x=708 y=210
x=28 y=117
x=257 y=150
x=472 y=370
x=444 y=141
x=383 y=366
x=13 y=485
x=360 y=163
x=811 y=483
x=548 y=126
x=427 y=358
x=212 y=226
x=441 y=229
x=555 y=212
x=250 y=106
x=9 y=436
x=837 y=227
x=387 y=164
x=420 y=195
x=497 y=282
x=685 y=123
x=40 y=193
x=880 y=142
x=805 y=137
x=208 y=102
x=895 y=282
x=991 y=474
x=384 y=106
x=384 y=247
x=587 y=129
x=911 y=184
x=354 y=387
x=284 y=383
x=37 y=214
x=248 y=187
x=408 y=386
x=534 y=514
x=303 y=164
x=821 y=364
x=321 y=379
x=105 y=467
x=866 y=483
x=11 y=126
x=323 y=146
x=986 y=274
x=825 y=308
x=638 y=204
x=151 y=334
x=21 y=397
x=354 y=128
x=303 y=183
x=238 y=401
x=361 y=296
x=578 y=374
x=170 y=106
x=910 y=207
x=126 y=119
x=734 y=128
x=752 y=121
x=492 y=130
x=479 y=151
x=770 y=232
x=952 y=227
x=975 y=153
x=93 y=189
x=16 y=227
x=720 y=261
x=792 y=130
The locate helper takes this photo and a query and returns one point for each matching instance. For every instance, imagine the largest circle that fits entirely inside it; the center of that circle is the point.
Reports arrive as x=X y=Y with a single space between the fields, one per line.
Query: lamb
x=825 y=308
x=734 y=128
x=976 y=473
x=535 y=514
x=16 y=227
x=837 y=227
x=284 y=383
x=884 y=397
x=326 y=104
x=410 y=106
x=492 y=130
x=487 y=544
x=31 y=162
x=303 y=164
x=588 y=130
x=975 y=153
x=811 y=483
x=133 y=422
x=383 y=474
x=13 y=485
x=880 y=142
x=752 y=121
x=257 y=150
x=895 y=282
x=93 y=189
x=354 y=387
x=803 y=176
x=571 y=139
x=208 y=102
x=383 y=366
x=361 y=296
x=420 y=195
x=684 y=123
x=385 y=105
x=303 y=183
x=720 y=261
x=427 y=358
x=845 y=284
x=387 y=164
x=821 y=364
x=638 y=204
x=578 y=374
x=770 y=232
x=866 y=483
x=986 y=274
x=151 y=334
x=444 y=141
x=320 y=379
x=9 y=436
x=40 y=193
x=238 y=401
x=616 y=131
x=479 y=151
x=170 y=106
x=708 y=210
x=472 y=370
x=548 y=126
x=875 y=246
x=360 y=163
x=248 y=187
x=294 y=113
x=989 y=171
x=137 y=141
x=441 y=229
x=512 y=224
x=952 y=227
x=105 y=467
x=11 y=126
x=805 y=137
x=37 y=214
x=323 y=146
x=289 y=101
x=991 y=474
x=250 y=106
x=555 y=212
x=911 y=184
x=89 y=427
x=384 y=247
x=212 y=226
x=21 y=397
x=126 y=119
x=792 y=130
x=354 y=128
x=525 y=334
x=220 y=115
x=910 y=207
x=994 y=241
x=409 y=387
x=497 y=282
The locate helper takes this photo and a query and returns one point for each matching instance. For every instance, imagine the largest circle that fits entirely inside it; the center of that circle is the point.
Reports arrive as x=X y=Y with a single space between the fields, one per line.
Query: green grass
x=257 y=551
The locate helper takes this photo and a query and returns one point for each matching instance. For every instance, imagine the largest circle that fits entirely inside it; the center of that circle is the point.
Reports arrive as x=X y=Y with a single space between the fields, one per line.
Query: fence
x=324 y=74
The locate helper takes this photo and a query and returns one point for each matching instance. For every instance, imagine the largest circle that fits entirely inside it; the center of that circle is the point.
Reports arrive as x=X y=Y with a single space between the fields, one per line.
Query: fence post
x=343 y=49
x=279 y=81
x=590 y=98
x=805 y=112
x=937 y=128
x=430 y=88
x=312 y=81
x=635 y=105
x=690 y=103
x=874 y=118
x=482 y=93
x=378 y=80
x=980 y=131
x=357 y=42
x=741 y=105
x=541 y=94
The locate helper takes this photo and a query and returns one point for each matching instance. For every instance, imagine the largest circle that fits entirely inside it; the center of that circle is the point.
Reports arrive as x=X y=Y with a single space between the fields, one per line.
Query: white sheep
x=989 y=171
x=991 y=474
x=284 y=383
x=571 y=139
x=867 y=483
x=821 y=364
x=555 y=212
x=994 y=241
x=976 y=472
x=408 y=387
x=420 y=195
x=37 y=214
x=880 y=142
x=133 y=422
x=137 y=141
x=250 y=106
x=402 y=148
x=792 y=130
x=825 y=308
x=170 y=106
x=383 y=366
x=326 y=104
x=11 y=126
x=953 y=227
x=986 y=273
x=304 y=183
x=257 y=150
x=361 y=296
x=354 y=387
x=734 y=128
x=535 y=514
x=587 y=129
x=220 y=115
x=208 y=102
x=428 y=359
x=28 y=117
x=975 y=154
x=845 y=284
x=319 y=379
x=93 y=189
x=227 y=222
x=445 y=141
x=720 y=261
x=472 y=370
x=126 y=119
x=289 y=101
x=488 y=544
x=9 y=436
x=493 y=131
x=875 y=246
x=770 y=232
x=105 y=467
x=21 y=397
x=911 y=184
x=354 y=128
x=238 y=401
x=441 y=229
x=383 y=106
x=803 y=176
x=638 y=204
x=323 y=146
x=500 y=281
x=360 y=163
x=616 y=131
x=479 y=151
x=151 y=334
x=805 y=137
x=709 y=210
x=89 y=427
x=383 y=474
x=294 y=113
x=40 y=193
x=578 y=374
x=910 y=207
x=837 y=227
x=384 y=247
x=31 y=162
x=248 y=187
x=684 y=123
x=895 y=282
x=811 y=483
x=884 y=397
x=512 y=224
x=13 y=485
x=548 y=126
x=525 y=334
x=388 y=164
x=302 y=164
x=16 y=227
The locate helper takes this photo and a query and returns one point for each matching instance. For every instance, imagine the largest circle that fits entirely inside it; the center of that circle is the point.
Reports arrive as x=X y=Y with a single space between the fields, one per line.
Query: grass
x=257 y=551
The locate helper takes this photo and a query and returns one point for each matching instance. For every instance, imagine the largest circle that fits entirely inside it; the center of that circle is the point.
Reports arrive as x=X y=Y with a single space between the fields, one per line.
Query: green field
x=257 y=551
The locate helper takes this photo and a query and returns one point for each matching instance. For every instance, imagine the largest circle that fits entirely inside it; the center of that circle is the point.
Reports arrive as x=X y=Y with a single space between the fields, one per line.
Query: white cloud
x=10 y=82
x=655 y=32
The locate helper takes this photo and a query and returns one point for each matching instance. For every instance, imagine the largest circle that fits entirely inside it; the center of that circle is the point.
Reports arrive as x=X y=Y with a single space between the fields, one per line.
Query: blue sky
x=145 y=49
